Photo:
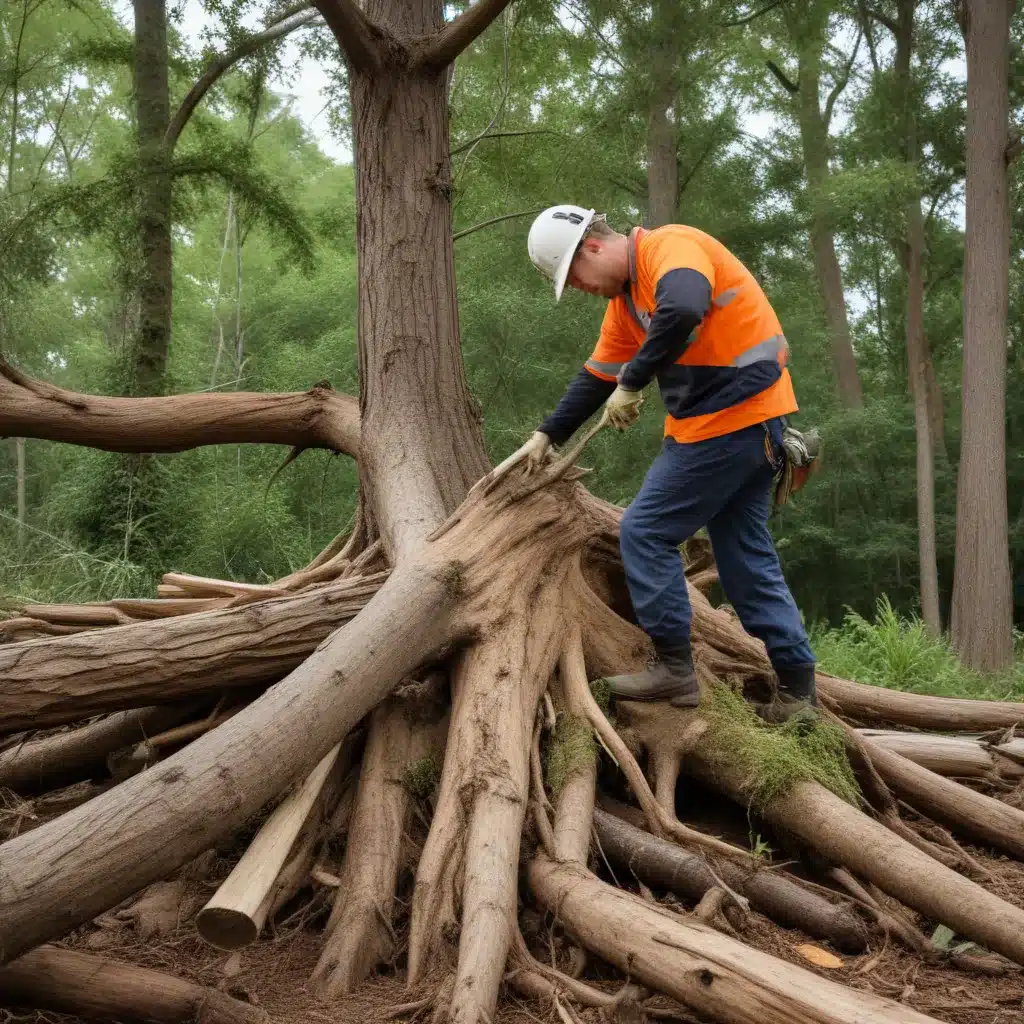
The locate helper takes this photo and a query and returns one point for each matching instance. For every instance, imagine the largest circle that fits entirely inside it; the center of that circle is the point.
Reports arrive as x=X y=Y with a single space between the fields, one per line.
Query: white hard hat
x=553 y=239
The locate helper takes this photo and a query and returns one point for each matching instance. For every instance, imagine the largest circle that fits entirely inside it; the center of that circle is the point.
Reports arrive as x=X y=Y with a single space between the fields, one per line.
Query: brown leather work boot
x=797 y=696
x=671 y=678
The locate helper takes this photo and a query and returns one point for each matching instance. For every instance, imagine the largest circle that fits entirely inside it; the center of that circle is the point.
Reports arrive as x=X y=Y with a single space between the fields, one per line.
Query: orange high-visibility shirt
x=733 y=373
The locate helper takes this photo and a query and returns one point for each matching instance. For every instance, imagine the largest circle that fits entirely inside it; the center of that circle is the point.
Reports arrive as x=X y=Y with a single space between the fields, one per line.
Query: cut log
x=318 y=418
x=60 y=875
x=705 y=970
x=96 y=988
x=235 y=915
x=962 y=757
x=664 y=865
x=876 y=704
x=848 y=837
x=67 y=757
x=495 y=560
x=973 y=814
x=63 y=679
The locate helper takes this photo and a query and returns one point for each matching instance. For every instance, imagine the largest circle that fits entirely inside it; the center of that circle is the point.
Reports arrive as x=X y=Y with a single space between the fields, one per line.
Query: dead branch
x=318 y=418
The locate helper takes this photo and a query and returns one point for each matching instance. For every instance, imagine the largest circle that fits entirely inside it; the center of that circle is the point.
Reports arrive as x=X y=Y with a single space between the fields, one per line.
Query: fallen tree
x=505 y=599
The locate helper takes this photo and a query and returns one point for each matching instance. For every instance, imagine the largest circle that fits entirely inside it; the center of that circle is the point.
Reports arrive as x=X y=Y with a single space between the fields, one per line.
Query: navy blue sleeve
x=682 y=298
x=585 y=395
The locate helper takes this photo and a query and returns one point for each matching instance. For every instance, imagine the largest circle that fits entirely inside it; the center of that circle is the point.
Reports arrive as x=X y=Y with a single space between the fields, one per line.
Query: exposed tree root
x=486 y=771
x=960 y=757
x=404 y=732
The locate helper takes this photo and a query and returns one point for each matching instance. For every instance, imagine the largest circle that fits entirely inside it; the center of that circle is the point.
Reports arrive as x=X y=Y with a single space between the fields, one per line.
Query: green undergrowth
x=568 y=751
x=777 y=757
x=897 y=652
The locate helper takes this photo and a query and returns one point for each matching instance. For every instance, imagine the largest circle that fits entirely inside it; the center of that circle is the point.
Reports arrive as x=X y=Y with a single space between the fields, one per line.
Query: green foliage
x=774 y=758
x=897 y=651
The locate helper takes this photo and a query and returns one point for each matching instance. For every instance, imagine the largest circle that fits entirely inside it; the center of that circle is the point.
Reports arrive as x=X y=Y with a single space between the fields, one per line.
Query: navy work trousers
x=723 y=483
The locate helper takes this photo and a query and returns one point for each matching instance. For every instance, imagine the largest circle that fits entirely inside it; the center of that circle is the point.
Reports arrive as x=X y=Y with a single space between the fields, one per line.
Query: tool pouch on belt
x=801 y=454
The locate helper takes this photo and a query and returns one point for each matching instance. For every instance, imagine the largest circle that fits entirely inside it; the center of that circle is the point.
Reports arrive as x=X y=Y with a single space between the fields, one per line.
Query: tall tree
x=982 y=618
x=911 y=250
x=806 y=25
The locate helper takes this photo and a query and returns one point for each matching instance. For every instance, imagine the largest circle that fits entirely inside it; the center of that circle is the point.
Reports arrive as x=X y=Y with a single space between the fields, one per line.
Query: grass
x=897 y=652
x=774 y=758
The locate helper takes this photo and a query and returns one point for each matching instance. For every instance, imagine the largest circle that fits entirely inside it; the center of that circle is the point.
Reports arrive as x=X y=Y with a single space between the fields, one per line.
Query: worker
x=684 y=310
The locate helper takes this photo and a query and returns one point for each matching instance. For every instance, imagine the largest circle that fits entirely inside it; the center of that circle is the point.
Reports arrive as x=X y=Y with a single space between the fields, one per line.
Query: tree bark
x=982 y=619
x=662 y=131
x=95 y=988
x=65 y=679
x=152 y=116
x=665 y=865
x=423 y=440
x=318 y=418
x=705 y=970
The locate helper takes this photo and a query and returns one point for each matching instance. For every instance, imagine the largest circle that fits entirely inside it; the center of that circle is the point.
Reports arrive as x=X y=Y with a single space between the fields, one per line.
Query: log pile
x=473 y=748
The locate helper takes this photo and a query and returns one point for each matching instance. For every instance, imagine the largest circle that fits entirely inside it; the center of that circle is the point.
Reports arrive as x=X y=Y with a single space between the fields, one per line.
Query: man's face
x=597 y=268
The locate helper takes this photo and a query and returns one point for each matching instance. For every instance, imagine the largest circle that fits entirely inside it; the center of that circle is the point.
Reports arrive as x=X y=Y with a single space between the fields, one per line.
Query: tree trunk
x=19 y=448
x=662 y=131
x=815 y=142
x=424 y=443
x=917 y=354
x=982 y=619
x=152 y=115
x=98 y=989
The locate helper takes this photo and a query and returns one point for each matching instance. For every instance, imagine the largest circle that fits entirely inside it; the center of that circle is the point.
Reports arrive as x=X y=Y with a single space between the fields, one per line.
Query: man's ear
x=594 y=245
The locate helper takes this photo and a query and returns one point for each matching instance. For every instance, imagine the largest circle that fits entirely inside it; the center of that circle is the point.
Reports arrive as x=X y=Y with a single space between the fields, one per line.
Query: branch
x=882 y=19
x=447 y=44
x=842 y=81
x=790 y=86
x=318 y=418
x=751 y=17
x=219 y=65
x=501 y=135
x=354 y=32
x=488 y=223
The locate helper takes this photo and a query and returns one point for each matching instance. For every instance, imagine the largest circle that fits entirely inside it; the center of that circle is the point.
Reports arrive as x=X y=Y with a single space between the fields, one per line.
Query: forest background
x=803 y=135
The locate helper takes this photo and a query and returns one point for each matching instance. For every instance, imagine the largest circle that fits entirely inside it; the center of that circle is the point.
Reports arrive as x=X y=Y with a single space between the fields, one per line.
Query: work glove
x=534 y=453
x=624 y=407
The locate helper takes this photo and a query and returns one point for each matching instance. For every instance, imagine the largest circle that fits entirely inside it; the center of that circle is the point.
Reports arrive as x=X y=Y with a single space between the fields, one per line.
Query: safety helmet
x=554 y=237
